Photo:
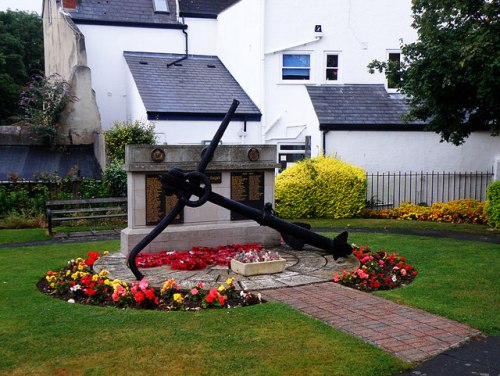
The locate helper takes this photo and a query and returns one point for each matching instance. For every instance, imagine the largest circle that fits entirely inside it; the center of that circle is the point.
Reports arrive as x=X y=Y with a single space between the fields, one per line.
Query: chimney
x=69 y=4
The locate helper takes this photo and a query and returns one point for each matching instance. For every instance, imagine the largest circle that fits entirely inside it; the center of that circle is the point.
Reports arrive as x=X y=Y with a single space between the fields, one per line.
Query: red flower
x=89 y=292
x=139 y=297
x=150 y=294
x=221 y=300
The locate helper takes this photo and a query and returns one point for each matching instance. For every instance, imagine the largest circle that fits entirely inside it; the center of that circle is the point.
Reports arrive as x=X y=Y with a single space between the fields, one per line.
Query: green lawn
x=41 y=335
x=457 y=279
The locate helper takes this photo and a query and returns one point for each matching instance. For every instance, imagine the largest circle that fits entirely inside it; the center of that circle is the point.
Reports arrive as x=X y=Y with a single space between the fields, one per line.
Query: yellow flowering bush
x=492 y=206
x=457 y=211
x=320 y=187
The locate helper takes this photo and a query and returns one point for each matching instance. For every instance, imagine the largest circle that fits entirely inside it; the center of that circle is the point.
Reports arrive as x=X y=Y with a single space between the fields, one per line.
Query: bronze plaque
x=215 y=177
x=247 y=188
x=157 y=203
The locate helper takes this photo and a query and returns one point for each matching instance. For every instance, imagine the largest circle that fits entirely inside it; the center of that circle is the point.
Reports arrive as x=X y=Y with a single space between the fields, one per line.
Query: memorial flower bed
x=196 y=258
x=378 y=271
x=78 y=283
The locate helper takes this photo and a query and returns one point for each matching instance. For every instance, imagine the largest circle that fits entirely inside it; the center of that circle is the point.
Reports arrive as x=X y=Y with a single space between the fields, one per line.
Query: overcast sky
x=29 y=5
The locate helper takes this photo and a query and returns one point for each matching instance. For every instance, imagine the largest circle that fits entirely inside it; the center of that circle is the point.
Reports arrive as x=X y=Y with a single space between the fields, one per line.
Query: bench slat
x=85 y=201
x=59 y=219
x=87 y=210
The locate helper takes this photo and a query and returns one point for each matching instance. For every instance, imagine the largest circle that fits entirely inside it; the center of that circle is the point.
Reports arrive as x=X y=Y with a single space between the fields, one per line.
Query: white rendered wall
x=358 y=30
x=412 y=151
x=105 y=46
x=202 y=36
x=189 y=132
x=239 y=46
x=135 y=107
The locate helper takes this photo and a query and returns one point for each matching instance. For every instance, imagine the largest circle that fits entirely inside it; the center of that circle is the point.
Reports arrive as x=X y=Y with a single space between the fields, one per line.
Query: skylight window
x=161 y=6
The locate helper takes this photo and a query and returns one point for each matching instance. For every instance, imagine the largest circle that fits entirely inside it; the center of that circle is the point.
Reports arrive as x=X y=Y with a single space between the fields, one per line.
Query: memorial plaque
x=215 y=177
x=247 y=188
x=157 y=203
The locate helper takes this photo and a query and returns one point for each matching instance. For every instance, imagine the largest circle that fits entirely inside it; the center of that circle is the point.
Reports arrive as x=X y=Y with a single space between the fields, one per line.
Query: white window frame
x=386 y=83
x=339 y=67
x=158 y=6
x=298 y=81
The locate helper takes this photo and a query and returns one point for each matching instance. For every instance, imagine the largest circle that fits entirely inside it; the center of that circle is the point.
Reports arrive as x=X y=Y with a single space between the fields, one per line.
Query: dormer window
x=161 y=6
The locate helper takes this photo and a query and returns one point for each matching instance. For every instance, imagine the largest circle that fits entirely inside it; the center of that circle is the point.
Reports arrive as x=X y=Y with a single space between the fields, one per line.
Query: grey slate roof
x=123 y=12
x=197 y=87
x=204 y=8
x=359 y=107
x=27 y=161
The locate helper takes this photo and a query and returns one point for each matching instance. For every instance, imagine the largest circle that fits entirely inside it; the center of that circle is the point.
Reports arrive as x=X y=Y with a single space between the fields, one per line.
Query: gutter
x=187 y=49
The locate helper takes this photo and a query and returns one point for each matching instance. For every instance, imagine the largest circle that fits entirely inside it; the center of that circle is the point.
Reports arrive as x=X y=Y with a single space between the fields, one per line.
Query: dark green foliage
x=492 y=208
x=115 y=179
x=452 y=73
x=21 y=55
x=122 y=134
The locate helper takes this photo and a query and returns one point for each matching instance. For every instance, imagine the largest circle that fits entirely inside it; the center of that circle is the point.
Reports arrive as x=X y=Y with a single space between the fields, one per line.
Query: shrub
x=457 y=211
x=115 y=179
x=492 y=207
x=321 y=187
x=122 y=134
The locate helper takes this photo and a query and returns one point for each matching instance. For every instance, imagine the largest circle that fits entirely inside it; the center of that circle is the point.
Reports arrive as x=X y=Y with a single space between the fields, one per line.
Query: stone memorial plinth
x=244 y=173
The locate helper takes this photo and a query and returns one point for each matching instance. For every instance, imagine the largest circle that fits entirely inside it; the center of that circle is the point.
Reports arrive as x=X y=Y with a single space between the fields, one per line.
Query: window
x=296 y=67
x=394 y=62
x=332 y=67
x=161 y=6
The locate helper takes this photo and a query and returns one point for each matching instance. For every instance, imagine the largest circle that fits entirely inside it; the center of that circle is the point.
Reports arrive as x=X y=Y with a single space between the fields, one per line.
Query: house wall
x=65 y=55
x=195 y=132
x=412 y=151
x=105 y=46
x=359 y=31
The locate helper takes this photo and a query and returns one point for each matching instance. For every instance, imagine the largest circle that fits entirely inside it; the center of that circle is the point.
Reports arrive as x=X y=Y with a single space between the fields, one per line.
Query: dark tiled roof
x=27 y=161
x=195 y=87
x=123 y=12
x=358 y=107
x=204 y=8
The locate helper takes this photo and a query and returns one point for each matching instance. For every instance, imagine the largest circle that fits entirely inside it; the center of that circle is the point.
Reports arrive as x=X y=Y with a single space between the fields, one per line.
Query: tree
x=21 y=55
x=451 y=75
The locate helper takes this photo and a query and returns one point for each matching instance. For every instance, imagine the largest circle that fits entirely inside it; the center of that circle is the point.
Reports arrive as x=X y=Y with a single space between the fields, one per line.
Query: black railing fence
x=390 y=189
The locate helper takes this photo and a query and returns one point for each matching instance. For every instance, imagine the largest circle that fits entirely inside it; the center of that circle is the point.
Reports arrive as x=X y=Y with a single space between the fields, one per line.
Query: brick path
x=411 y=334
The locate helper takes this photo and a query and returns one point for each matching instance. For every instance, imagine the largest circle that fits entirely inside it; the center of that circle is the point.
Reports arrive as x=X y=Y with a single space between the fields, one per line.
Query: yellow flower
x=103 y=273
x=75 y=275
x=221 y=288
x=105 y=252
x=230 y=281
x=68 y=272
x=80 y=267
x=95 y=277
x=52 y=285
x=178 y=298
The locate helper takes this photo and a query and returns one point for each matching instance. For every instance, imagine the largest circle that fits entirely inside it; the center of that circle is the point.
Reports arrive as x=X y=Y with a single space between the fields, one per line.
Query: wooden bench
x=88 y=209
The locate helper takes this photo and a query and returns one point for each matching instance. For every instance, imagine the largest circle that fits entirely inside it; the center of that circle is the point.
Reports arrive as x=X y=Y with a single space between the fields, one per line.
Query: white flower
x=72 y=301
x=75 y=288
x=394 y=278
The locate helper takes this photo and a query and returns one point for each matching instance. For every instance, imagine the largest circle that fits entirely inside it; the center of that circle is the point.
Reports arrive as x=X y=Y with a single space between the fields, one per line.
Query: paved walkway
x=306 y=285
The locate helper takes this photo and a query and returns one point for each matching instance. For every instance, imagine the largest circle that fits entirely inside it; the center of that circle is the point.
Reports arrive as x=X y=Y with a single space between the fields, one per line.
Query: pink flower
x=336 y=278
x=200 y=285
x=143 y=285
x=381 y=262
x=403 y=272
x=194 y=291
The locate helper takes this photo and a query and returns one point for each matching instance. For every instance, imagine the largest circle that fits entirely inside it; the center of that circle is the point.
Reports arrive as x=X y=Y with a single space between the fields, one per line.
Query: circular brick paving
x=308 y=266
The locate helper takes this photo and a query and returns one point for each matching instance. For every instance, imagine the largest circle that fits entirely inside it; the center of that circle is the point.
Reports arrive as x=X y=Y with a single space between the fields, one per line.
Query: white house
x=298 y=68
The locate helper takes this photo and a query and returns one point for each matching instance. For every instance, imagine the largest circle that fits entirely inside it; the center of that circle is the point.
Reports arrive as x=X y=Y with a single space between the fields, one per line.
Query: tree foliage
x=21 y=55
x=451 y=75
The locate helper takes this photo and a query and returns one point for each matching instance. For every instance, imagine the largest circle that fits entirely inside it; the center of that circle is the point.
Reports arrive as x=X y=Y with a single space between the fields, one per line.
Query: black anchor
x=196 y=183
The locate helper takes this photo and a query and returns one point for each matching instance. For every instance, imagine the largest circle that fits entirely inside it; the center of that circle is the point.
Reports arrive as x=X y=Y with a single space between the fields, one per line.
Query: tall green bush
x=127 y=133
x=492 y=208
x=321 y=187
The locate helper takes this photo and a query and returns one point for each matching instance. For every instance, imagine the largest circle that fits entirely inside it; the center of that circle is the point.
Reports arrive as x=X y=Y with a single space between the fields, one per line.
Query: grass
x=12 y=236
x=41 y=335
x=457 y=279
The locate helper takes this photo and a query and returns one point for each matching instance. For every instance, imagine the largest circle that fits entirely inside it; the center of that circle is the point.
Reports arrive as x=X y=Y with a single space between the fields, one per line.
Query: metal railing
x=390 y=189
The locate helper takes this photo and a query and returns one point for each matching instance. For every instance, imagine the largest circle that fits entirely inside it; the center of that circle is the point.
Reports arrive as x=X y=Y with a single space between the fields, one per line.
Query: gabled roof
x=199 y=87
x=29 y=161
x=359 y=107
x=204 y=8
x=123 y=13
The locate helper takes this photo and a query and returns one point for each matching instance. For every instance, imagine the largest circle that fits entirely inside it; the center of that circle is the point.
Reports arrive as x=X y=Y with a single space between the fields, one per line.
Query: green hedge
x=320 y=187
x=492 y=208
